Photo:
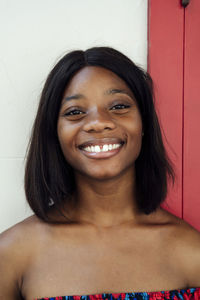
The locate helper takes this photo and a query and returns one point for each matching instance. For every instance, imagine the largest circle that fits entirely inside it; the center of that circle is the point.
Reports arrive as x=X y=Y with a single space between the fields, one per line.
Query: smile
x=101 y=148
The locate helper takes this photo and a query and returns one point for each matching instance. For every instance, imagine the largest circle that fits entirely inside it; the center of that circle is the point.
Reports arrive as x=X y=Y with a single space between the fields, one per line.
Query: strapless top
x=183 y=294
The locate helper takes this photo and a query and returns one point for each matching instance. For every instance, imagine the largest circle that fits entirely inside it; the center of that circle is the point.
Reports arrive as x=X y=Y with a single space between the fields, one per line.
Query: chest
x=111 y=264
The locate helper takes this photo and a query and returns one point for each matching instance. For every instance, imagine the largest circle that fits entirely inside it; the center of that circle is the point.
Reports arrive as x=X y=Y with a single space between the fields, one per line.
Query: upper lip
x=103 y=141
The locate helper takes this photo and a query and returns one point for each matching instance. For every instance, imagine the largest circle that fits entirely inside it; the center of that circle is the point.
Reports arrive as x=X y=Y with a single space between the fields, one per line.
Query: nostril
x=107 y=128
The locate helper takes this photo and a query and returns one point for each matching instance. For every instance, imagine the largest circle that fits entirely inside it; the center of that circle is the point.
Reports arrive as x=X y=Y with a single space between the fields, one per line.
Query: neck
x=106 y=203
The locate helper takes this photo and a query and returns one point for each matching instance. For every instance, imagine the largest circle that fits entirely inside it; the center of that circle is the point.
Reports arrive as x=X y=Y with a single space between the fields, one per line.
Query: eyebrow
x=117 y=91
x=108 y=92
x=76 y=97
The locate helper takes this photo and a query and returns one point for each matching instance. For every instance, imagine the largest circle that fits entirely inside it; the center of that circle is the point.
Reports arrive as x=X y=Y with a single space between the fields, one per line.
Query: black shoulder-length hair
x=49 y=178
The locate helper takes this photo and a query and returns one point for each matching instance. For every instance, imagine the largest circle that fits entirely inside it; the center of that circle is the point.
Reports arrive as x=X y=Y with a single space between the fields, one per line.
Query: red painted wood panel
x=191 y=153
x=165 y=64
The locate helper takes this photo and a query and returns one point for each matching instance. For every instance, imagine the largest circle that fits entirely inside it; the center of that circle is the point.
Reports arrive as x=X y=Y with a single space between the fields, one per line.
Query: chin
x=103 y=175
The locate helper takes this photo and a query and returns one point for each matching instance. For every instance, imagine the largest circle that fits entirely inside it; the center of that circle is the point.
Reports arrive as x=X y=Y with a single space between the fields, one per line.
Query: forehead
x=95 y=77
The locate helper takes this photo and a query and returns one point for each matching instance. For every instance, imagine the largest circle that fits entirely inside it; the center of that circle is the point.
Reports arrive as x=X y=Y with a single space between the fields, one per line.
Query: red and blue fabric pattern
x=183 y=294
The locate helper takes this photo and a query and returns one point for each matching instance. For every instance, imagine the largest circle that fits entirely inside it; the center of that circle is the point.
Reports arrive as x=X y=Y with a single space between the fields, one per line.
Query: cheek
x=133 y=127
x=135 y=136
x=66 y=137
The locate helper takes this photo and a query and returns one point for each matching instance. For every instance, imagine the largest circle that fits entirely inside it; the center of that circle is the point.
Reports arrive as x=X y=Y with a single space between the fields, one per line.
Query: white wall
x=34 y=35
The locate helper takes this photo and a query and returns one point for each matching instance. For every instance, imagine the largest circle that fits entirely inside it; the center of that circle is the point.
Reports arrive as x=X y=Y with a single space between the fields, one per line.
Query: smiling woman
x=96 y=174
x=98 y=93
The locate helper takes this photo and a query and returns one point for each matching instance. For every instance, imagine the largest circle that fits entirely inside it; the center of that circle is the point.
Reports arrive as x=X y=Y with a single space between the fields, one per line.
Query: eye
x=120 y=106
x=74 y=114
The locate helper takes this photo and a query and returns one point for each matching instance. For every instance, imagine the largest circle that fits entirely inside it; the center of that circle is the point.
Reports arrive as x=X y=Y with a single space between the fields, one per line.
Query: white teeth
x=105 y=148
x=98 y=149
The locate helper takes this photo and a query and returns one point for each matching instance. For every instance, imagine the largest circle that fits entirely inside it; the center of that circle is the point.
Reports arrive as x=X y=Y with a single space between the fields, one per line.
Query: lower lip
x=100 y=155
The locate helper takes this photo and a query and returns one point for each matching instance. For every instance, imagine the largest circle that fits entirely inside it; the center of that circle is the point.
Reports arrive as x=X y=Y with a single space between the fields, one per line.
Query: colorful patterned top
x=183 y=294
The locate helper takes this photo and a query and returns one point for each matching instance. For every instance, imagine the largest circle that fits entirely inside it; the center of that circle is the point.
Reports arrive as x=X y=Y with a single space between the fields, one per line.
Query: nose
x=98 y=122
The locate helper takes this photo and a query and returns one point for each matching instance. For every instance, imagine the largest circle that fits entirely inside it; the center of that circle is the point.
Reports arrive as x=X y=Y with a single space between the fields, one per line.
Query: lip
x=100 y=142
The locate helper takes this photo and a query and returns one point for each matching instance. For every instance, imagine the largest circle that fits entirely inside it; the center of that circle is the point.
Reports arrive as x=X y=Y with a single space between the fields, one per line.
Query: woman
x=95 y=177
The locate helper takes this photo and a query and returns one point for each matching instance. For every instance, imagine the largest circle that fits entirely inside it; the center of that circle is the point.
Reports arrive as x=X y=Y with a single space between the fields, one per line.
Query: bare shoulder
x=16 y=246
x=189 y=251
x=184 y=242
x=21 y=230
x=22 y=236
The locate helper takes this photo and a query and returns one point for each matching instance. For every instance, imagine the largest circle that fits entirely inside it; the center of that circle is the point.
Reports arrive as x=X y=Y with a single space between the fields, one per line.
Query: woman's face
x=99 y=124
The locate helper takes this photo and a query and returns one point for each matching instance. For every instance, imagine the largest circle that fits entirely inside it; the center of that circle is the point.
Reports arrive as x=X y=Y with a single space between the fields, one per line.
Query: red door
x=174 y=64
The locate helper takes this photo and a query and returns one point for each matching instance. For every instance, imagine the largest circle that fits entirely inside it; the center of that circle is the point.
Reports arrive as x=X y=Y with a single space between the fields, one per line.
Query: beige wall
x=34 y=34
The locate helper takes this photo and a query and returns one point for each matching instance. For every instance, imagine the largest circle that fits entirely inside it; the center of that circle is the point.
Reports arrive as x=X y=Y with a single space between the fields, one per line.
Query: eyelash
x=125 y=105
x=73 y=112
